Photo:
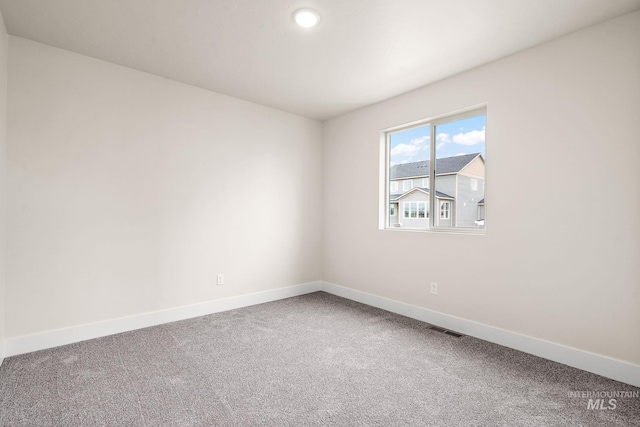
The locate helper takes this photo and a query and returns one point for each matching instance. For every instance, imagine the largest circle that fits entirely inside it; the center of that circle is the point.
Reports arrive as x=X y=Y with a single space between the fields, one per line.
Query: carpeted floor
x=314 y=360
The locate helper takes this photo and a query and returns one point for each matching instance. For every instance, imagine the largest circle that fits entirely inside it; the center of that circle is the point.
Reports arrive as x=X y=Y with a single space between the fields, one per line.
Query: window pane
x=409 y=153
x=444 y=210
x=460 y=172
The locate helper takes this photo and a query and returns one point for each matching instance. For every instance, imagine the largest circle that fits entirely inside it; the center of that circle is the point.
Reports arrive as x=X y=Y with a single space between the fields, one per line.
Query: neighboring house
x=459 y=193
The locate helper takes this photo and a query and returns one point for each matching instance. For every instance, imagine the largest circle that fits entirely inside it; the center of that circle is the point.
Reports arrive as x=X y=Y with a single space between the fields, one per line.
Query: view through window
x=457 y=142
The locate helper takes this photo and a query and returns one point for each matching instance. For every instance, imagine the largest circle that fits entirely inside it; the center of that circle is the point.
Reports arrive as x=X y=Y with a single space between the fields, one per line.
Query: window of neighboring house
x=445 y=210
x=392 y=210
x=481 y=212
x=423 y=210
x=415 y=210
x=445 y=149
x=393 y=187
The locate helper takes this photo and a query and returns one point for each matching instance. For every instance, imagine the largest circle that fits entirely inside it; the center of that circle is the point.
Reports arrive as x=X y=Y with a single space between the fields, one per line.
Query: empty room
x=319 y=213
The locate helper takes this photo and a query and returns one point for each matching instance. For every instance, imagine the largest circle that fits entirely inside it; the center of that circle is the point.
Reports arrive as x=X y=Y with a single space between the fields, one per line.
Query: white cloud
x=420 y=141
x=443 y=138
x=469 y=138
x=412 y=148
x=408 y=150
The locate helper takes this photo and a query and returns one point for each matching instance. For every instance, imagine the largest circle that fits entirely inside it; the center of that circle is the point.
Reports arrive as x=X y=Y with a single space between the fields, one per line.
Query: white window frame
x=425 y=182
x=417 y=210
x=393 y=187
x=407 y=183
x=425 y=206
x=447 y=211
x=383 y=218
x=404 y=210
x=473 y=184
x=392 y=210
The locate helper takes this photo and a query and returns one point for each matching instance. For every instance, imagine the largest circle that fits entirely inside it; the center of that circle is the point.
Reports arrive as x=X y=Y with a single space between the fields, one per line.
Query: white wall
x=3 y=145
x=127 y=193
x=556 y=263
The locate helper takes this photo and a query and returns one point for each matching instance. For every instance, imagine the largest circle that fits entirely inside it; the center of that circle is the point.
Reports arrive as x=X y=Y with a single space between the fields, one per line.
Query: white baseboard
x=607 y=367
x=58 y=337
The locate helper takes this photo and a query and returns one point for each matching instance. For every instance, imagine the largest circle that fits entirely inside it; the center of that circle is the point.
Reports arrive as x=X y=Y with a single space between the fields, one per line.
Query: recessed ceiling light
x=306 y=18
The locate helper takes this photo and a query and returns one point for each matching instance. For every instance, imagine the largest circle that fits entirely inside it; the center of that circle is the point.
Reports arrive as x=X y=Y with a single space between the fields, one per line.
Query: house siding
x=446 y=184
x=467 y=202
x=415 y=183
x=475 y=168
x=416 y=196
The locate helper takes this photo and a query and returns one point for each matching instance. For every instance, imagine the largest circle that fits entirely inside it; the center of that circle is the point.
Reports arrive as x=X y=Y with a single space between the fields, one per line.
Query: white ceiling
x=362 y=52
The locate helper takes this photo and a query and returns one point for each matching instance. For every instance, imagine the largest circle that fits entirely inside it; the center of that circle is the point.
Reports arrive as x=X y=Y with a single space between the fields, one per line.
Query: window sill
x=439 y=230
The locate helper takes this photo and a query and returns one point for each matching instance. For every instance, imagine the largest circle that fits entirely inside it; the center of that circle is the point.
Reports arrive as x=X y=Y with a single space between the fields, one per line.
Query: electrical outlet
x=434 y=288
x=220 y=279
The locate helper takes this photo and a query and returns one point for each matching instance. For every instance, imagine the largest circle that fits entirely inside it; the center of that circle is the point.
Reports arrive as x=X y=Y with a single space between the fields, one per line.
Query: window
x=415 y=210
x=423 y=212
x=407 y=210
x=393 y=187
x=445 y=158
x=480 y=221
x=445 y=209
x=392 y=210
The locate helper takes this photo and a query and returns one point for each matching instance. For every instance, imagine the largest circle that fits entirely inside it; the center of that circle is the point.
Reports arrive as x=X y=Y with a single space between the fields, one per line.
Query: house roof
x=445 y=165
x=439 y=194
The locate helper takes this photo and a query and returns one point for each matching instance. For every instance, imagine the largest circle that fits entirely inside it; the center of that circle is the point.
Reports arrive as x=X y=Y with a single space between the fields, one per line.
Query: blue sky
x=452 y=139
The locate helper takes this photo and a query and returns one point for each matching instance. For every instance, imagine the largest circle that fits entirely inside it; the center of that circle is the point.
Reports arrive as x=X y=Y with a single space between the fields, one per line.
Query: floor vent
x=445 y=331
